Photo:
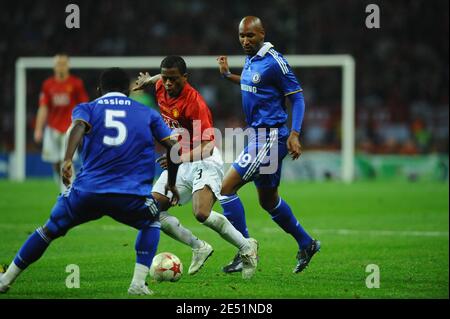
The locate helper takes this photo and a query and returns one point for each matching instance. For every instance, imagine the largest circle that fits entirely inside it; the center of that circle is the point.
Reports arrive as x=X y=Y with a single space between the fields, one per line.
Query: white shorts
x=194 y=176
x=53 y=146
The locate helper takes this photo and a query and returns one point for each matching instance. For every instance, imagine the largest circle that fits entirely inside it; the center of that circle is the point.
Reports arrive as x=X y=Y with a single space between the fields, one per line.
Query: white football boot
x=199 y=257
x=3 y=288
x=249 y=259
x=139 y=290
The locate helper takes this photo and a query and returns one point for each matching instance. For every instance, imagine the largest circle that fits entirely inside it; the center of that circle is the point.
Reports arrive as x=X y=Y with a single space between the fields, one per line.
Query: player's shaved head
x=252 y=22
x=251 y=34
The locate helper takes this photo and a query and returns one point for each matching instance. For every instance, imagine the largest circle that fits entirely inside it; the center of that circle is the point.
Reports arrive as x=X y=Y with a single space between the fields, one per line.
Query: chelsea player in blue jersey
x=266 y=81
x=117 y=138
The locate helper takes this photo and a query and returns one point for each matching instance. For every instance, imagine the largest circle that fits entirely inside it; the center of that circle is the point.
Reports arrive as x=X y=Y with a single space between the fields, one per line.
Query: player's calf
x=202 y=203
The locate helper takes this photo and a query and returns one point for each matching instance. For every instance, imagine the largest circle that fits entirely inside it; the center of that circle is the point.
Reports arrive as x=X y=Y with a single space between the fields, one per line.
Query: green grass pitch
x=401 y=227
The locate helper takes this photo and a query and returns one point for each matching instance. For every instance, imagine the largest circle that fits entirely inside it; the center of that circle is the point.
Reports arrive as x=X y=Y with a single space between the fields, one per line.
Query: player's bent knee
x=163 y=201
x=52 y=231
x=229 y=189
x=202 y=215
x=268 y=203
x=231 y=183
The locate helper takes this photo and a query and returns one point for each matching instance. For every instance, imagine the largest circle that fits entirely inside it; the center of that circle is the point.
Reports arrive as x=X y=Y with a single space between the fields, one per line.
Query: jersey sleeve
x=44 y=97
x=81 y=94
x=82 y=112
x=159 y=128
x=199 y=114
x=285 y=78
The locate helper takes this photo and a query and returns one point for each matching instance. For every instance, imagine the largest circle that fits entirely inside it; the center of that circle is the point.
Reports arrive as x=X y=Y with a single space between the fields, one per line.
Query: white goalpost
x=346 y=62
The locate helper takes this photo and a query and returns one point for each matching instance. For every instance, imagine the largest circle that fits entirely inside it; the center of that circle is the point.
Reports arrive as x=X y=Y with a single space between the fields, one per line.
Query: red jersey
x=182 y=111
x=61 y=98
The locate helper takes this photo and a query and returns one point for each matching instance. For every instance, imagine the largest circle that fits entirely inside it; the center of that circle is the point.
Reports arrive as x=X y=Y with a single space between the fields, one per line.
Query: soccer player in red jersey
x=201 y=171
x=59 y=95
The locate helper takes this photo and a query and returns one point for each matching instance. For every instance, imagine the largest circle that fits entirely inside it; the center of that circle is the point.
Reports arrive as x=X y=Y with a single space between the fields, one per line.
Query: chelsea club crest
x=256 y=77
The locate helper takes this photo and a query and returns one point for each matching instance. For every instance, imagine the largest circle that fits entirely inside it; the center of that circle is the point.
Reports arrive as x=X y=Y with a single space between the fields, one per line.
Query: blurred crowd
x=402 y=71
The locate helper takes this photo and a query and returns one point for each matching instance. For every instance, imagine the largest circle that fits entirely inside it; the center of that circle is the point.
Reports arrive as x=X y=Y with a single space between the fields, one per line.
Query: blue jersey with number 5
x=118 y=150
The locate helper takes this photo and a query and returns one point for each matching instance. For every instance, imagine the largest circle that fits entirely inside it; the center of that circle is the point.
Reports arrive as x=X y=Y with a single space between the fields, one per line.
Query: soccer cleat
x=250 y=259
x=199 y=257
x=3 y=288
x=304 y=256
x=139 y=290
x=234 y=266
x=3 y=268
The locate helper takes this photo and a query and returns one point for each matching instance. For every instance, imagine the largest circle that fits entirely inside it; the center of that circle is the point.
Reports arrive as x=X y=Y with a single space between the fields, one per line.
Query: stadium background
x=401 y=73
x=402 y=77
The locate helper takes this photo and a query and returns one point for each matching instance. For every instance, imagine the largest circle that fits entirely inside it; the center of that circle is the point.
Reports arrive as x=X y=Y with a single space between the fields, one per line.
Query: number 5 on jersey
x=112 y=122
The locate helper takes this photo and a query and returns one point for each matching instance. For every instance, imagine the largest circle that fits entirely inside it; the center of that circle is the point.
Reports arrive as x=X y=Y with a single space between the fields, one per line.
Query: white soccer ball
x=166 y=267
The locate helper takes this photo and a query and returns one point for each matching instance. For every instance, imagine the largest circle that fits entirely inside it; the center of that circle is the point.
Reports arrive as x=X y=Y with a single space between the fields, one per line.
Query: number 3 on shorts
x=244 y=160
x=199 y=172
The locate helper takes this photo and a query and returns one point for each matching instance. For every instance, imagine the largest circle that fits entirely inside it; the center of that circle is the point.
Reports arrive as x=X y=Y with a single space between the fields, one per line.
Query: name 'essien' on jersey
x=266 y=80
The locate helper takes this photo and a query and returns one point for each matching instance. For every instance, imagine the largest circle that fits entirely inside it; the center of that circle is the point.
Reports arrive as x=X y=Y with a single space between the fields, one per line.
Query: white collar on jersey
x=264 y=49
x=113 y=94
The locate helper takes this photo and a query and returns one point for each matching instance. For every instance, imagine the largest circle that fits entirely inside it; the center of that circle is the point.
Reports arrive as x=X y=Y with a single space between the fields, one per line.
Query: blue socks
x=33 y=249
x=233 y=210
x=146 y=244
x=283 y=216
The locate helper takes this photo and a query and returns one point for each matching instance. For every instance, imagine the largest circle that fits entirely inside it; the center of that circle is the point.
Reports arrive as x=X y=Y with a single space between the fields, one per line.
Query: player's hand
x=142 y=81
x=66 y=172
x=38 y=136
x=175 y=194
x=162 y=161
x=223 y=64
x=294 y=146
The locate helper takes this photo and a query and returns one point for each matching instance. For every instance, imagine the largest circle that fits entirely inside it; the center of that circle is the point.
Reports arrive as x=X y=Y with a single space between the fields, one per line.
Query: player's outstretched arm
x=225 y=70
x=145 y=79
x=79 y=128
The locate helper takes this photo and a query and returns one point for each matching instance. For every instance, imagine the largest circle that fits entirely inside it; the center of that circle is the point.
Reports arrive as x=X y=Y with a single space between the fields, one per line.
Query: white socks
x=172 y=227
x=140 y=274
x=222 y=225
x=11 y=274
x=217 y=222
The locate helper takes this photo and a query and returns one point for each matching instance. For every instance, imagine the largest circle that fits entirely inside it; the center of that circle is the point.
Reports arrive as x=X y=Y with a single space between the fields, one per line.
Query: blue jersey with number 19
x=118 y=150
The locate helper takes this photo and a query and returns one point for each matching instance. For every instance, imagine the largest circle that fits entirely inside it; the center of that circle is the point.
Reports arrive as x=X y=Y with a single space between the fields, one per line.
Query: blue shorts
x=261 y=160
x=76 y=207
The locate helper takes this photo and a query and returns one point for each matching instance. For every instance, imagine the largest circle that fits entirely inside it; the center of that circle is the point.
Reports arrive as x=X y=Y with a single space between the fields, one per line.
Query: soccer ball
x=166 y=267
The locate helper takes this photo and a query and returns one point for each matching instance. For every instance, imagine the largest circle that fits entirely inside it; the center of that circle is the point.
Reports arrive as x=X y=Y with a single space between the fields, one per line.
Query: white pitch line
x=411 y=233
x=343 y=232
